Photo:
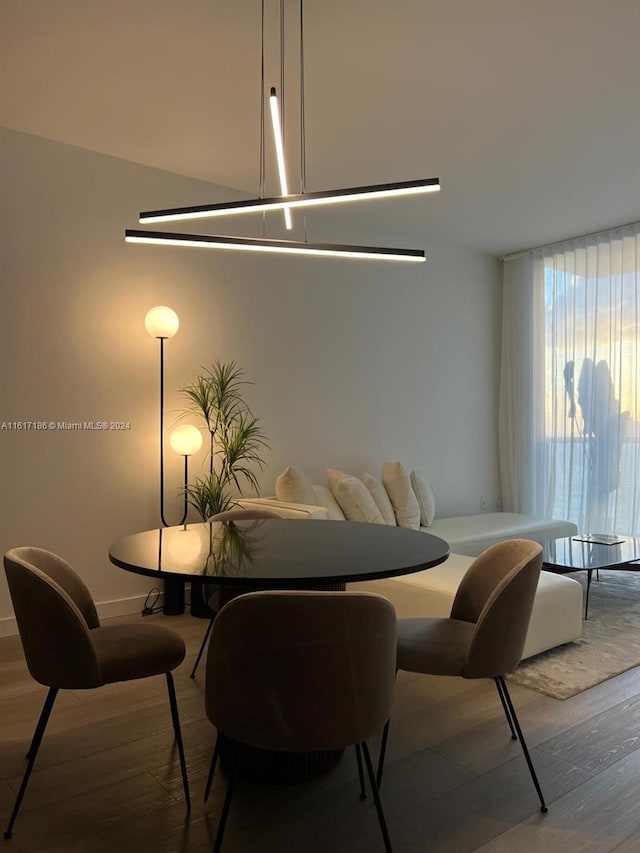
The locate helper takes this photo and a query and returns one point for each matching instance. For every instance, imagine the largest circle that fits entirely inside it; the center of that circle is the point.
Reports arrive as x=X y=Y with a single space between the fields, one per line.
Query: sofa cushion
x=425 y=497
x=293 y=486
x=381 y=498
x=326 y=499
x=354 y=498
x=398 y=486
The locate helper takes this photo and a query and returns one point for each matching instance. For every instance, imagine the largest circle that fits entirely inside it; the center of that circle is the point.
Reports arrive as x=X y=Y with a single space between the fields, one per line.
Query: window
x=580 y=455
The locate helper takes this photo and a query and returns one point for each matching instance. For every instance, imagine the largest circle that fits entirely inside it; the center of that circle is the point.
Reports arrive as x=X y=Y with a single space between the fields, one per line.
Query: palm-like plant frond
x=236 y=439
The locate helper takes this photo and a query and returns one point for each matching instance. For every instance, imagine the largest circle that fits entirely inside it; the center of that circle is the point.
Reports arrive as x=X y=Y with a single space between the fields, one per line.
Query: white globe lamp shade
x=186 y=440
x=161 y=322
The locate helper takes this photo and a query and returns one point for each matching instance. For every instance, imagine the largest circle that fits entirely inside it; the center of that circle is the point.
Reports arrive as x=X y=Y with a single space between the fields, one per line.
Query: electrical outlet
x=483 y=504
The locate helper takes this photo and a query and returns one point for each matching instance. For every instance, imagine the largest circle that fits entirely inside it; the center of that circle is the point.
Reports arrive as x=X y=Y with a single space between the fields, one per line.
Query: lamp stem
x=186 y=483
x=162 y=518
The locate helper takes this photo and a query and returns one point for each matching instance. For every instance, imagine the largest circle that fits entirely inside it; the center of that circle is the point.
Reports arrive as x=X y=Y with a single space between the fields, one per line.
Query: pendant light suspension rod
x=314 y=199
x=303 y=130
x=278 y=123
x=261 y=183
x=291 y=247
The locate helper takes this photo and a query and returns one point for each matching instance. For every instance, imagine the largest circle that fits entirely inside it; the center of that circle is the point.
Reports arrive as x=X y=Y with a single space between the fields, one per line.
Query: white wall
x=354 y=362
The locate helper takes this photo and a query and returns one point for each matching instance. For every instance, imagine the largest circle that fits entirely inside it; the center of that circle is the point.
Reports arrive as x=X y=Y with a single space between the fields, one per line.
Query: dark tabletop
x=572 y=555
x=273 y=552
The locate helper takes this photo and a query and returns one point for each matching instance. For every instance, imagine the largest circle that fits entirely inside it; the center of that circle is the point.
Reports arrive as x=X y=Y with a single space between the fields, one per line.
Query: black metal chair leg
x=38 y=734
x=202 y=648
x=505 y=708
x=586 y=604
x=363 y=792
x=376 y=797
x=383 y=751
x=40 y=727
x=225 y=809
x=503 y=686
x=212 y=769
x=176 y=728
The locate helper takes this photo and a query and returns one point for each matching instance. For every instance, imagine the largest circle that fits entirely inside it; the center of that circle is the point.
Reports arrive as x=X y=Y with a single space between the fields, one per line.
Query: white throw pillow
x=398 y=486
x=354 y=498
x=326 y=499
x=293 y=486
x=381 y=498
x=425 y=497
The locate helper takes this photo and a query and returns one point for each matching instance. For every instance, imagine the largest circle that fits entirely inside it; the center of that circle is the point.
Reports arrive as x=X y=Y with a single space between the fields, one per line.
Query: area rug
x=610 y=642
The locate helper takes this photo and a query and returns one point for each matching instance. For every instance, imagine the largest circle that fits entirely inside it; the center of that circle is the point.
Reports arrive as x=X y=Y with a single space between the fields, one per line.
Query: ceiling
x=527 y=110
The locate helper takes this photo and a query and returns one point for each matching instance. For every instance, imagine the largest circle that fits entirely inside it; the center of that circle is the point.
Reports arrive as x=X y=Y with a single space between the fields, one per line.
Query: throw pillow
x=293 y=486
x=425 y=497
x=395 y=478
x=381 y=498
x=326 y=499
x=354 y=498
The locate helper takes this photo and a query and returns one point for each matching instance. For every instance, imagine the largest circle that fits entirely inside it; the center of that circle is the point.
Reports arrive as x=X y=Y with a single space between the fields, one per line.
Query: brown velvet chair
x=485 y=633
x=66 y=647
x=210 y=590
x=300 y=672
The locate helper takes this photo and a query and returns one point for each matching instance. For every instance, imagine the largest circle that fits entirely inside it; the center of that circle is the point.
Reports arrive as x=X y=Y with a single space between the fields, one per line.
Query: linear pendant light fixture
x=286 y=201
x=286 y=247
x=315 y=199
x=278 y=141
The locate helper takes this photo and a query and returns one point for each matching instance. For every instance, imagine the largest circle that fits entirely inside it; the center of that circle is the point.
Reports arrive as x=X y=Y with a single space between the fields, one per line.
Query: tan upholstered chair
x=210 y=590
x=300 y=672
x=66 y=647
x=485 y=633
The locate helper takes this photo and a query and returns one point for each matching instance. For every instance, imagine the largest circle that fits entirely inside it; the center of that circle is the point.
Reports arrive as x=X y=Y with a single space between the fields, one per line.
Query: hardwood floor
x=107 y=778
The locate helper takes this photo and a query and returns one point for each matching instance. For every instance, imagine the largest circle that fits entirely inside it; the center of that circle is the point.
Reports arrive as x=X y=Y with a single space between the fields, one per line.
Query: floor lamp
x=186 y=440
x=162 y=323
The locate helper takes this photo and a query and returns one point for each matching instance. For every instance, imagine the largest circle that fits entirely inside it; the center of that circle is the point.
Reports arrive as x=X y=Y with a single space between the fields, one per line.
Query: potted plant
x=236 y=439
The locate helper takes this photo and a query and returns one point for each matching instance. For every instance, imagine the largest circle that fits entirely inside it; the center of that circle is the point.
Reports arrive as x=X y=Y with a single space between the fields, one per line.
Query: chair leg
x=176 y=728
x=363 y=792
x=376 y=797
x=32 y=753
x=225 y=809
x=505 y=708
x=383 y=752
x=212 y=769
x=514 y=717
x=202 y=648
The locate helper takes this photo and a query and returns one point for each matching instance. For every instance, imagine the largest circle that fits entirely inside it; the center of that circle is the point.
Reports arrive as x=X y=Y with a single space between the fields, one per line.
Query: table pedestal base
x=276 y=768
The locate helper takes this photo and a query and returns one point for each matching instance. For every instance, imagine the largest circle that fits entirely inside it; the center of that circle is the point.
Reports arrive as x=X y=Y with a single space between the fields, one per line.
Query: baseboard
x=126 y=606
x=106 y=610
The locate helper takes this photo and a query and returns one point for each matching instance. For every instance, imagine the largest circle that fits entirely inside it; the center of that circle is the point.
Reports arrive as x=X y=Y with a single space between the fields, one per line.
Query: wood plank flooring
x=107 y=779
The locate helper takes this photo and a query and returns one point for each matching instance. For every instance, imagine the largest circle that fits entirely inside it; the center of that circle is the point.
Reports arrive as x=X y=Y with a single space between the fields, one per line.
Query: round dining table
x=278 y=553
x=244 y=556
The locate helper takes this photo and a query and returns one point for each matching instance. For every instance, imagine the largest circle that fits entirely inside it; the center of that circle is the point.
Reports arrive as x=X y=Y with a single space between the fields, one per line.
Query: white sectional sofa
x=557 y=611
x=466 y=534
x=556 y=617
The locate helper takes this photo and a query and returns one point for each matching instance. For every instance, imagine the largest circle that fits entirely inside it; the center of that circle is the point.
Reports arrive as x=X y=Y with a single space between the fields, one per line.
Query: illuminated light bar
x=314 y=199
x=279 y=145
x=289 y=247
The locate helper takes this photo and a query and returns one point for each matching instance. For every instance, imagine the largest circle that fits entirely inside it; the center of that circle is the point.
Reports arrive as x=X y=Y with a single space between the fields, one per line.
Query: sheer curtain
x=569 y=399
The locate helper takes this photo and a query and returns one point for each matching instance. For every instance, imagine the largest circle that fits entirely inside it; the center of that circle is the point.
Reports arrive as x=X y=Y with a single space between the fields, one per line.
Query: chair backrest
x=497 y=593
x=244 y=514
x=302 y=671
x=55 y=612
